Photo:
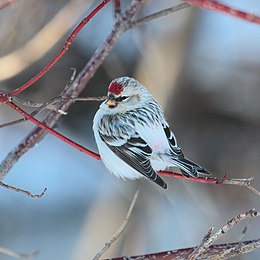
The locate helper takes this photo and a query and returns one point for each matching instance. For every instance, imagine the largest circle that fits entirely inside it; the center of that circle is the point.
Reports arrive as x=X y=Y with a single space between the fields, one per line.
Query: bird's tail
x=189 y=168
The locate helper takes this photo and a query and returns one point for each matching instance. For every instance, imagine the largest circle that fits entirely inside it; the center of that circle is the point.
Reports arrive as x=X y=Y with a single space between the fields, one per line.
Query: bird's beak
x=111 y=101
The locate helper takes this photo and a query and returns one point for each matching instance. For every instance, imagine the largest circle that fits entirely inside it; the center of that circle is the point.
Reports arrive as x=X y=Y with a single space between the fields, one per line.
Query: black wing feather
x=136 y=152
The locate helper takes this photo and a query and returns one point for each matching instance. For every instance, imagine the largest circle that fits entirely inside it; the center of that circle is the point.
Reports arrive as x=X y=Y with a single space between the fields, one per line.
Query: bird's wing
x=176 y=150
x=187 y=167
x=136 y=153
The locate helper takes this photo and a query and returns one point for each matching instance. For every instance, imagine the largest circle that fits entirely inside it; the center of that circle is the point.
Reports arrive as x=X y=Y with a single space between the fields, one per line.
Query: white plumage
x=133 y=137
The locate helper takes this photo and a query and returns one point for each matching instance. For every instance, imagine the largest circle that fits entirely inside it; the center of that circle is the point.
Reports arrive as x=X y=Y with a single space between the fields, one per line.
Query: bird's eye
x=119 y=99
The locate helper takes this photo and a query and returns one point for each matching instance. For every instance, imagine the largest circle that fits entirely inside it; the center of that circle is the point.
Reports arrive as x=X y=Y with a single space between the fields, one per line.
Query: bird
x=133 y=137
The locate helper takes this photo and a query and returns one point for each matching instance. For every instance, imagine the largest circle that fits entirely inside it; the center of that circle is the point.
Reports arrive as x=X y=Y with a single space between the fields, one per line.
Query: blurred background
x=203 y=67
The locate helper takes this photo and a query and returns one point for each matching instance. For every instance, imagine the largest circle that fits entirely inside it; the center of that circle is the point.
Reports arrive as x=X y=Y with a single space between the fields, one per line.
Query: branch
x=209 y=240
x=120 y=230
x=213 y=180
x=206 y=250
x=51 y=105
x=35 y=196
x=159 y=14
x=12 y=253
x=219 y=7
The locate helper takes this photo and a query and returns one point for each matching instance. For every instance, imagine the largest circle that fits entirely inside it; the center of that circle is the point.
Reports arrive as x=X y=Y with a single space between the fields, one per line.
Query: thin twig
x=212 y=180
x=120 y=230
x=51 y=105
x=159 y=14
x=35 y=196
x=12 y=253
x=209 y=240
x=204 y=240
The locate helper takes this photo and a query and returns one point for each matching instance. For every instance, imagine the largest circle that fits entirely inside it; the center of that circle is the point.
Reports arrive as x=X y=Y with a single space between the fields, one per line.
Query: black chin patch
x=112 y=106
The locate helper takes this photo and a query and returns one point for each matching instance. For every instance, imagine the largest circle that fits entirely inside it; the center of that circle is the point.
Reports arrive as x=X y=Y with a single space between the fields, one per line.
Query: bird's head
x=125 y=94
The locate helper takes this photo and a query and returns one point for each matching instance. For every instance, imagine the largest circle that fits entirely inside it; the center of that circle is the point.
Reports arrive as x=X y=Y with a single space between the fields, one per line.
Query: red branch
x=219 y=7
x=97 y=156
x=53 y=132
x=62 y=52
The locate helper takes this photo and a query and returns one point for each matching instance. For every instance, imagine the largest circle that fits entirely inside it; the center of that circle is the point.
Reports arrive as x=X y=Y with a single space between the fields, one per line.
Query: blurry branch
x=12 y=253
x=213 y=180
x=206 y=250
x=36 y=47
x=35 y=196
x=5 y=3
x=220 y=7
x=120 y=230
x=159 y=14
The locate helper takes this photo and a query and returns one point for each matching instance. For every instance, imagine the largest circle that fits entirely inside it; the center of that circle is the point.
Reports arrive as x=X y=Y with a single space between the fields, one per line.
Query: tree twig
x=120 y=230
x=212 y=180
x=159 y=14
x=35 y=196
x=12 y=253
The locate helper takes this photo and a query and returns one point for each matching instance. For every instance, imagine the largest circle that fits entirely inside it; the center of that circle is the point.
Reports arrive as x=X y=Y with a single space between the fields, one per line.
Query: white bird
x=133 y=138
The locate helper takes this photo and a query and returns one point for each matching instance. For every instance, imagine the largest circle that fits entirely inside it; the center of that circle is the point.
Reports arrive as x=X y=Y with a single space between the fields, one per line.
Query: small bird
x=134 y=139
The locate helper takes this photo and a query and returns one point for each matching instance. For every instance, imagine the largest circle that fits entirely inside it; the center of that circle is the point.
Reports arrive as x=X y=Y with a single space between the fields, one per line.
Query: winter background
x=203 y=67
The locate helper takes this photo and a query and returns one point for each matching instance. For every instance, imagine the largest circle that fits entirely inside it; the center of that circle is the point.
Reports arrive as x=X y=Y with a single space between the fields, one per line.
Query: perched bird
x=133 y=138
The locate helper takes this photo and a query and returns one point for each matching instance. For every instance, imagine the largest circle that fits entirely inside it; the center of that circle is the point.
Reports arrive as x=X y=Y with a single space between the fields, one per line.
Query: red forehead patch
x=115 y=88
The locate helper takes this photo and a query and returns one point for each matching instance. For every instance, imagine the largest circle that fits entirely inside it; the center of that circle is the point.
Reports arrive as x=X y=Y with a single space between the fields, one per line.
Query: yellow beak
x=111 y=102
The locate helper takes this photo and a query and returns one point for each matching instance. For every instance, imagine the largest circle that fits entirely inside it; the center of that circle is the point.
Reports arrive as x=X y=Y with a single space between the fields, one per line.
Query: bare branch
x=35 y=196
x=51 y=105
x=159 y=14
x=120 y=230
x=213 y=180
x=209 y=240
x=12 y=253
